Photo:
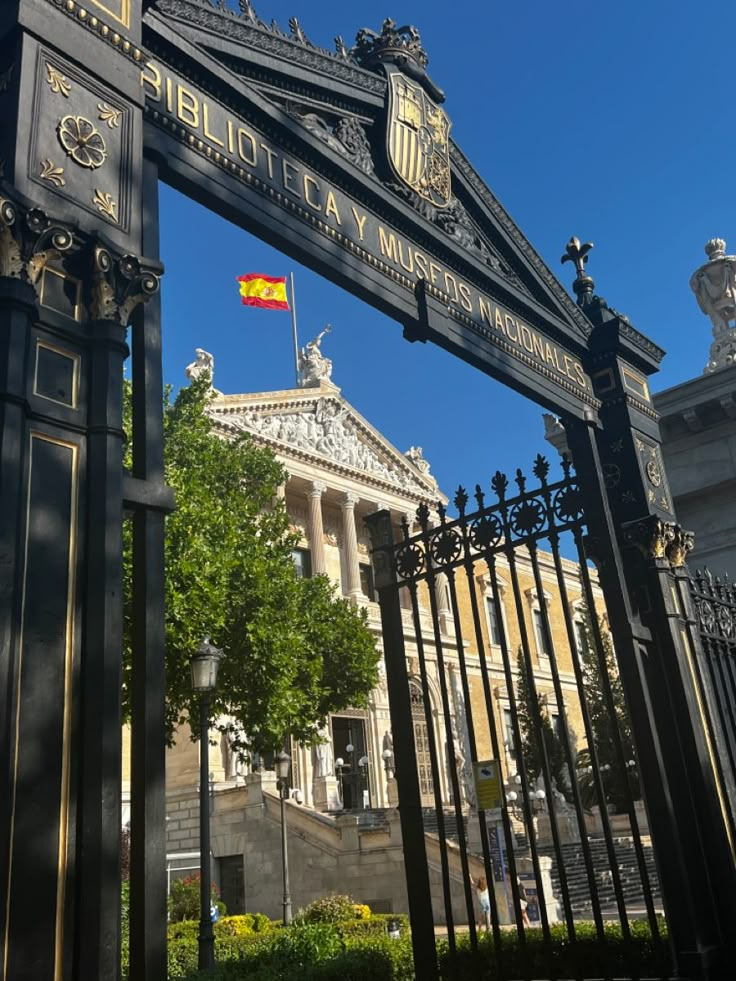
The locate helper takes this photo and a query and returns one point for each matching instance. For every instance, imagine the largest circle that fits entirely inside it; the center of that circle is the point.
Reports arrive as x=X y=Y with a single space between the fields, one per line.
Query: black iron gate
x=497 y=614
x=710 y=603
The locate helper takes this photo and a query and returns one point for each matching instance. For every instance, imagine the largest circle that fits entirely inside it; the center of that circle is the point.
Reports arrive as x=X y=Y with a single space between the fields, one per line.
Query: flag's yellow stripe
x=263 y=288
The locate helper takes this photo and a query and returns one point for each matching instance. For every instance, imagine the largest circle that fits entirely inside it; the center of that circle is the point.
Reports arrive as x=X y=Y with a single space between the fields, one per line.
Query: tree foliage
x=534 y=720
x=293 y=650
x=600 y=673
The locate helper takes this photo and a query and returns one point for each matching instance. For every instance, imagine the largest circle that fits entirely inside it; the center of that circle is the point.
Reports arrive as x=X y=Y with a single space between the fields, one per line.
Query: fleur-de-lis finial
x=577 y=254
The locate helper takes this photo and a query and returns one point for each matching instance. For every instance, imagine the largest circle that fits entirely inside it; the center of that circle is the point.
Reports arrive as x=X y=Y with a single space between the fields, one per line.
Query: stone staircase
x=577 y=878
x=429 y=816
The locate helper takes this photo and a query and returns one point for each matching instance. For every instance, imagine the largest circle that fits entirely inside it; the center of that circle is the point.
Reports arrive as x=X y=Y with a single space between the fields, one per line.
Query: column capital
x=316 y=489
x=349 y=499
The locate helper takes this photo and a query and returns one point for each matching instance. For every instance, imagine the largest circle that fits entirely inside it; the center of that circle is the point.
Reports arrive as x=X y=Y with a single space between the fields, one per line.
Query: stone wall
x=341 y=854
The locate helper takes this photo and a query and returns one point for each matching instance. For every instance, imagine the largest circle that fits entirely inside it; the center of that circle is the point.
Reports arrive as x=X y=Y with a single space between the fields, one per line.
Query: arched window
x=421 y=742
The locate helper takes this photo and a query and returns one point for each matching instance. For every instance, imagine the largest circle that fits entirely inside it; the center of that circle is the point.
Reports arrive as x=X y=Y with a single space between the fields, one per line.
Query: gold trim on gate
x=77 y=300
x=706 y=732
x=123 y=15
x=71 y=356
x=66 y=722
x=636 y=384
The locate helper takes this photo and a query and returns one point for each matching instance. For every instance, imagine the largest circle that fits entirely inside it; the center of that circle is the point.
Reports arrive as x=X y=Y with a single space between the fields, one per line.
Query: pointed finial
x=577 y=253
x=499 y=483
x=423 y=516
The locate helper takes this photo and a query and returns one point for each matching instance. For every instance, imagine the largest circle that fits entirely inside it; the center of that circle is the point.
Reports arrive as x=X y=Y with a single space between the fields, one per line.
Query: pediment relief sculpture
x=327 y=428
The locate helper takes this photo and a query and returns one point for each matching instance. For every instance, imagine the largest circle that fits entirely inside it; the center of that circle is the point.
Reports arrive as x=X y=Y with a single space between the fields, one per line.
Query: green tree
x=529 y=709
x=618 y=783
x=293 y=650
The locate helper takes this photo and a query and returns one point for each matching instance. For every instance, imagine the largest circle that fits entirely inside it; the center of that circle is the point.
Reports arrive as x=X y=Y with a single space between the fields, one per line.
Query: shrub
x=184 y=898
x=356 y=950
x=361 y=911
x=243 y=925
x=375 y=926
x=328 y=909
x=304 y=944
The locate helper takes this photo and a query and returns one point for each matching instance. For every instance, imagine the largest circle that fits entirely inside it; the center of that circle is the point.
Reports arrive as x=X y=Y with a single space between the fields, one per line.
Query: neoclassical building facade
x=340 y=469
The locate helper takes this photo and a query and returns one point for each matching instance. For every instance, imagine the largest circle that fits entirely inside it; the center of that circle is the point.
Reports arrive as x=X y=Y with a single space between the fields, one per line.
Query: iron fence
x=503 y=629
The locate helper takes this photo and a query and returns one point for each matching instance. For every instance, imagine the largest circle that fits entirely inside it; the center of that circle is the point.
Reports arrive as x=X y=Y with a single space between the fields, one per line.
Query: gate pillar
x=636 y=542
x=71 y=274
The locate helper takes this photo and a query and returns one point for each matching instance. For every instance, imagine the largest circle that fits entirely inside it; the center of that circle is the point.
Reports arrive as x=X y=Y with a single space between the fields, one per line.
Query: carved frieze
x=269 y=38
x=327 y=428
x=346 y=136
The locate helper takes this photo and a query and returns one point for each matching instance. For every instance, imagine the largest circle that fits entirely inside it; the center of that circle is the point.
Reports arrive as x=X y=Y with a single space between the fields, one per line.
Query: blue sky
x=610 y=121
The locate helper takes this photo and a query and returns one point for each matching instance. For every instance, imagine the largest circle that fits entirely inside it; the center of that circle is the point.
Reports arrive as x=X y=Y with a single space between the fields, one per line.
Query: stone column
x=350 y=543
x=316 y=532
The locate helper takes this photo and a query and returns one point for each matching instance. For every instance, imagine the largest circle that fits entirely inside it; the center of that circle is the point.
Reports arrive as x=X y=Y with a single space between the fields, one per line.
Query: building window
x=540 y=635
x=554 y=718
x=302 y=560
x=493 y=627
x=232 y=884
x=366 y=581
x=421 y=742
x=508 y=737
x=581 y=636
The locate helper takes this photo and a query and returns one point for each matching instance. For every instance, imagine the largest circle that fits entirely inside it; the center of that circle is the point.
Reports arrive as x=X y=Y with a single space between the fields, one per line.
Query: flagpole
x=293 y=327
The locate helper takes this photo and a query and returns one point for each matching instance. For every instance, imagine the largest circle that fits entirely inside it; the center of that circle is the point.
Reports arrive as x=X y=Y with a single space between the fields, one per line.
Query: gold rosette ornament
x=82 y=142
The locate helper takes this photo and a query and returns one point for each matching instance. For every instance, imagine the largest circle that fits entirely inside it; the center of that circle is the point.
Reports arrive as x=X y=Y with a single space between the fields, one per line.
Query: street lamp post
x=283 y=763
x=363 y=763
x=339 y=767
x=204 y=666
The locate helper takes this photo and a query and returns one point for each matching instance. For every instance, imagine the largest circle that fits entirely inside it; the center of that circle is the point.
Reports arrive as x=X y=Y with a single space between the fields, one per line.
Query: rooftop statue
x=714 y=285
x=204 y=364
x=314 y=367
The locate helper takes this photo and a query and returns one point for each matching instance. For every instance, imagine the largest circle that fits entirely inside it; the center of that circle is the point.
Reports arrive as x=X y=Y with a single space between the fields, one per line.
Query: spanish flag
x=257 y=290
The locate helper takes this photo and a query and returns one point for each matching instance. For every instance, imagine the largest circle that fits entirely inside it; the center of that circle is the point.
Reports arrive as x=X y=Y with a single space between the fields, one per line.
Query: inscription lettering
x=223 y=131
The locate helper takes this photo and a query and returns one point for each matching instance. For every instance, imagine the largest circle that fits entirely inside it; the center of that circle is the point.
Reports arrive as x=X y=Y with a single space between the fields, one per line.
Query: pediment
x=327 y=430
x=332 y=97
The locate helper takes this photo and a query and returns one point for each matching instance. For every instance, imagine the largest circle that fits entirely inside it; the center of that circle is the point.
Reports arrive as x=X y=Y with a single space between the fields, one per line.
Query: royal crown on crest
x=398 y=44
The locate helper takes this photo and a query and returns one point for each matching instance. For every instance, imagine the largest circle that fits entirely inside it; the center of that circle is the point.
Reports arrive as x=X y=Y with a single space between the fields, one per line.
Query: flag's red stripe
x=269 y=279
x=255 y=301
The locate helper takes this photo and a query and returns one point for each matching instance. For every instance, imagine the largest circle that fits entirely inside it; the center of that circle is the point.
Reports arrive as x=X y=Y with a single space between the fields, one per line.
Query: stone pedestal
x=567 y=828
x=326 y=794
x=392 y=792
x=620 y=823
x=257 y=782
x=525 y=870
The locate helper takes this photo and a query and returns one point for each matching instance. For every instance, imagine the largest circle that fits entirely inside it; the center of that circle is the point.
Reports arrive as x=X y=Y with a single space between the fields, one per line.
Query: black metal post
x=206 y=933
x=407 y=779
x=148 y=886
x=283 y=791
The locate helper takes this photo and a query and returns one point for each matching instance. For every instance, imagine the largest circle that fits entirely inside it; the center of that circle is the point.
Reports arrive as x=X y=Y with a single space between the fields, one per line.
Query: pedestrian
x=523 y=902
x=481 y=890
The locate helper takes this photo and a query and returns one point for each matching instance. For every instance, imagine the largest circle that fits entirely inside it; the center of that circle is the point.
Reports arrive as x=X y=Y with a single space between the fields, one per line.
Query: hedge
x=360 y=950
x=644 y=956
